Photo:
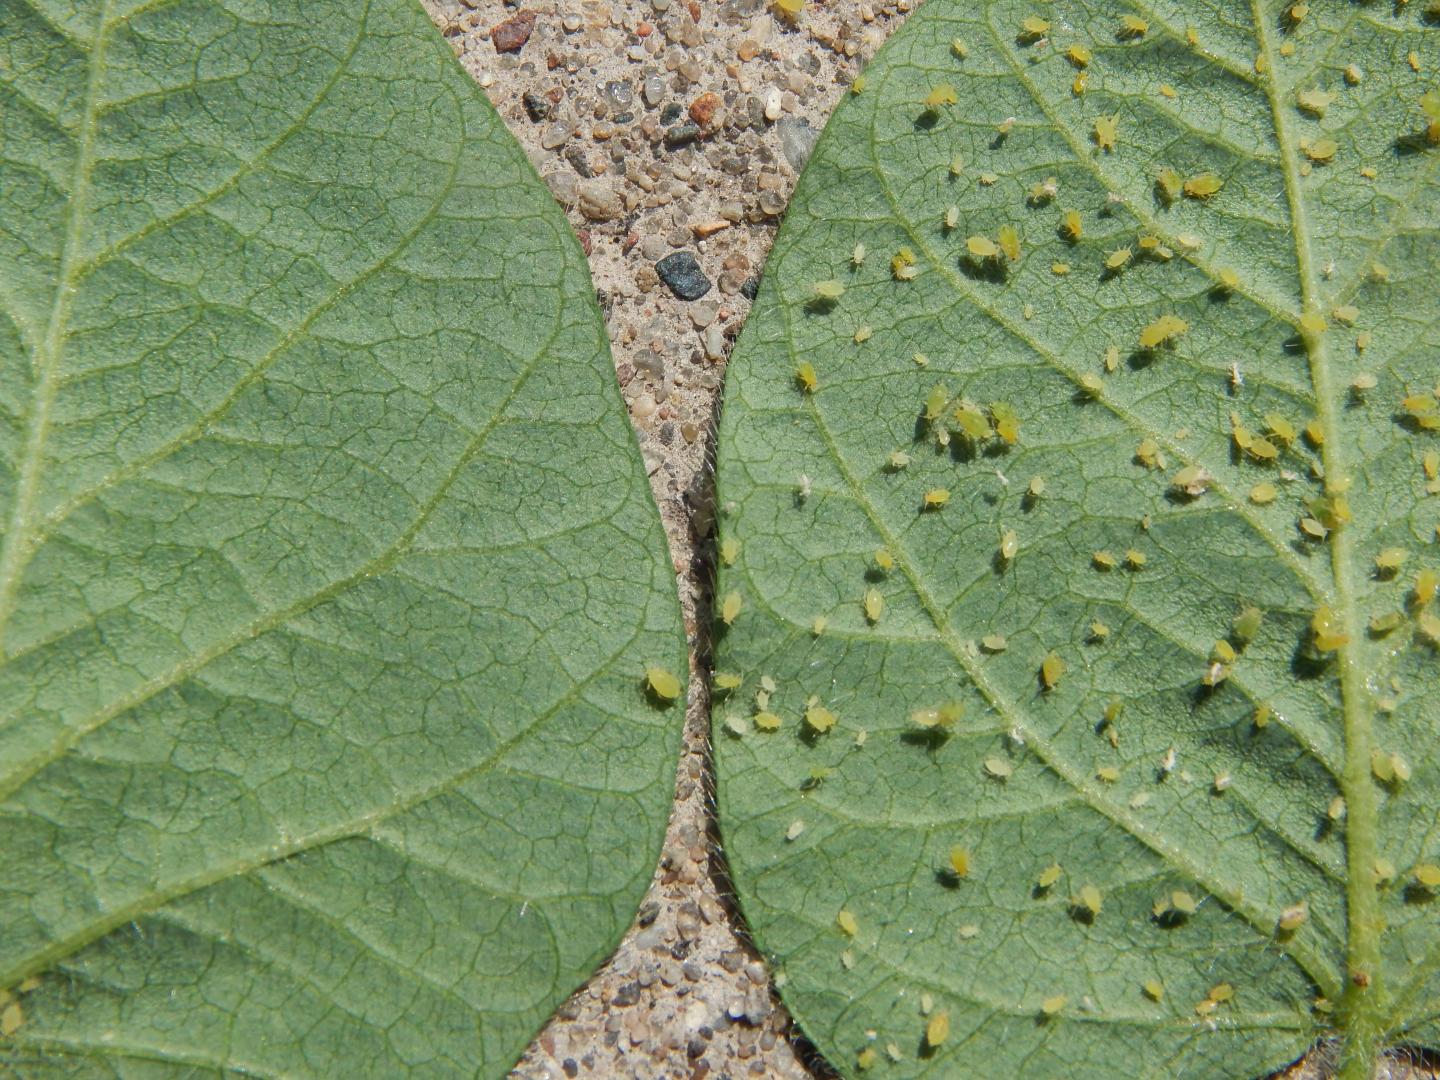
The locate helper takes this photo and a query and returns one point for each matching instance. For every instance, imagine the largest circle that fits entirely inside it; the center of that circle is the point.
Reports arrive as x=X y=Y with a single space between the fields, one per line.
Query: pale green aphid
x=827 y=291
x=729 y=550
x=999 y=768
x=663 y=683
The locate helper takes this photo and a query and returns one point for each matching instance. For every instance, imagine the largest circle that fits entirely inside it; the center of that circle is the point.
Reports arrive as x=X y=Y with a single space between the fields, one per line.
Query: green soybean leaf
x=325 y=747
x=1110 y=472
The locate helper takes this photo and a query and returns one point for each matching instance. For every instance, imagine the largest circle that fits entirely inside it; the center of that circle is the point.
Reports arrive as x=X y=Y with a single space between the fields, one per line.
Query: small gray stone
x=555 y=135
x=681 y=135
x=797 y=139
x=683 y=275
x=599 y=201
x=654 y=90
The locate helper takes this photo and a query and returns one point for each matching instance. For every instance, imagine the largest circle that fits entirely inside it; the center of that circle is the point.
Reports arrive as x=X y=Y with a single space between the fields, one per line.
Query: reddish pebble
x=702 y=109
x=584 y=235
x=511 y=35
x=644 y=30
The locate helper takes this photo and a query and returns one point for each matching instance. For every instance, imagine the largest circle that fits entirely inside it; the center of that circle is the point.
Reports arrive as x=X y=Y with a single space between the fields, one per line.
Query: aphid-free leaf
x=329 y=575
x=1265 y=519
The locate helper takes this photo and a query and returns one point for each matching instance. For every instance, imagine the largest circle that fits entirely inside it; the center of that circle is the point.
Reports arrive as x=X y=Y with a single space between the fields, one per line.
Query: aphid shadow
x=928 y=739
x=1412 y=143
x=988 y=270
x=1041 y=892
x=820 y=305
x=1415 y=893
x=1408 y=422
x=947 y=878
x=1029 y=501
x=1140 y=359
x=1306 y=663
x=1170 y=919
x=1081 y=914
x=1219 y=293
x=963 y=449
x=927 y=120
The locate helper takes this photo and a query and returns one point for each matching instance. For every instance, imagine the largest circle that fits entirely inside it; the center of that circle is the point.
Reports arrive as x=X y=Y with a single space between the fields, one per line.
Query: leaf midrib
x=1362 y=905
x=17 y=534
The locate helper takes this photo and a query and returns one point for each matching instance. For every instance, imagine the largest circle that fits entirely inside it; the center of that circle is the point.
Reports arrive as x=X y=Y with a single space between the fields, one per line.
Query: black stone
x=536 y=105
x=682 y=273
x=670 y=112
x=749 y=287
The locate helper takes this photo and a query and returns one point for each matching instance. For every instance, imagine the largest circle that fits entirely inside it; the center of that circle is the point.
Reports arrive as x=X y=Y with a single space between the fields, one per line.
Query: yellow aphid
x=866 y=1059
x=847 y=923
x=1431 y=464
x=1314 y=529
x=1320 y=149
x=1169 y=185
x=1413 y=59
x=1263 y=493
x=1222 y=652
x=1247 y=624
x=1132 y=26
x=1134 y=559
x=1032 y=26
x=951 y=218
x=1427 y=583
x=1168 y=91
x=1049 y=876
x=1294 y=916
x=1203 y=185
x=897 y=460
x=1071 y=224
x=1036 y=487
x=805 y=376
x=663 y=683
x=1112 y=359
x=1082 y=80
x=1103 y=560
x=1009 y=242
x=1108 y=773
x=874 y=605
x=1366 y=380
x=901 y=262
x=1099 y=631
x=937 y=1030
x=1079 y=55
x=982 y=247
x=944 y=94
x=1428 y=875
x=935 y=402
x=987 y=179
x=957 y=165
x=1281 y=428
x=863 y=334
x=729 y=550
x=766 y=721
x=1229 y=280
x=730 y=608
x=1163 y=329
x=1262 y=449
x=999 y=768
x=1328 y=632
x=1118 y=258
x=994 y=643
x=1007 y=424
x=1313 y=323
x=1388 y=623
x=1193 y=480
x=857 y=256
x=1089 y=898
x=1052 y=670
x=1221 y=993
x=1192 y=38
x=1420 y=405
x=960 y=860
x=1003 y=128
x=790 y=9
x=726 y=680
x=935 y=498
x=972 y=421
x=827 y=291
x=1106 y=132
x=1353 y=74
x=883 y=559
x=820 y=719
x=1314 y=102
x=1053 y=1005
x=1154 y=990
x=1390 y=560
x=943 y=717
x=1148 y=454
x=1009 y=545
x=818 y=626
